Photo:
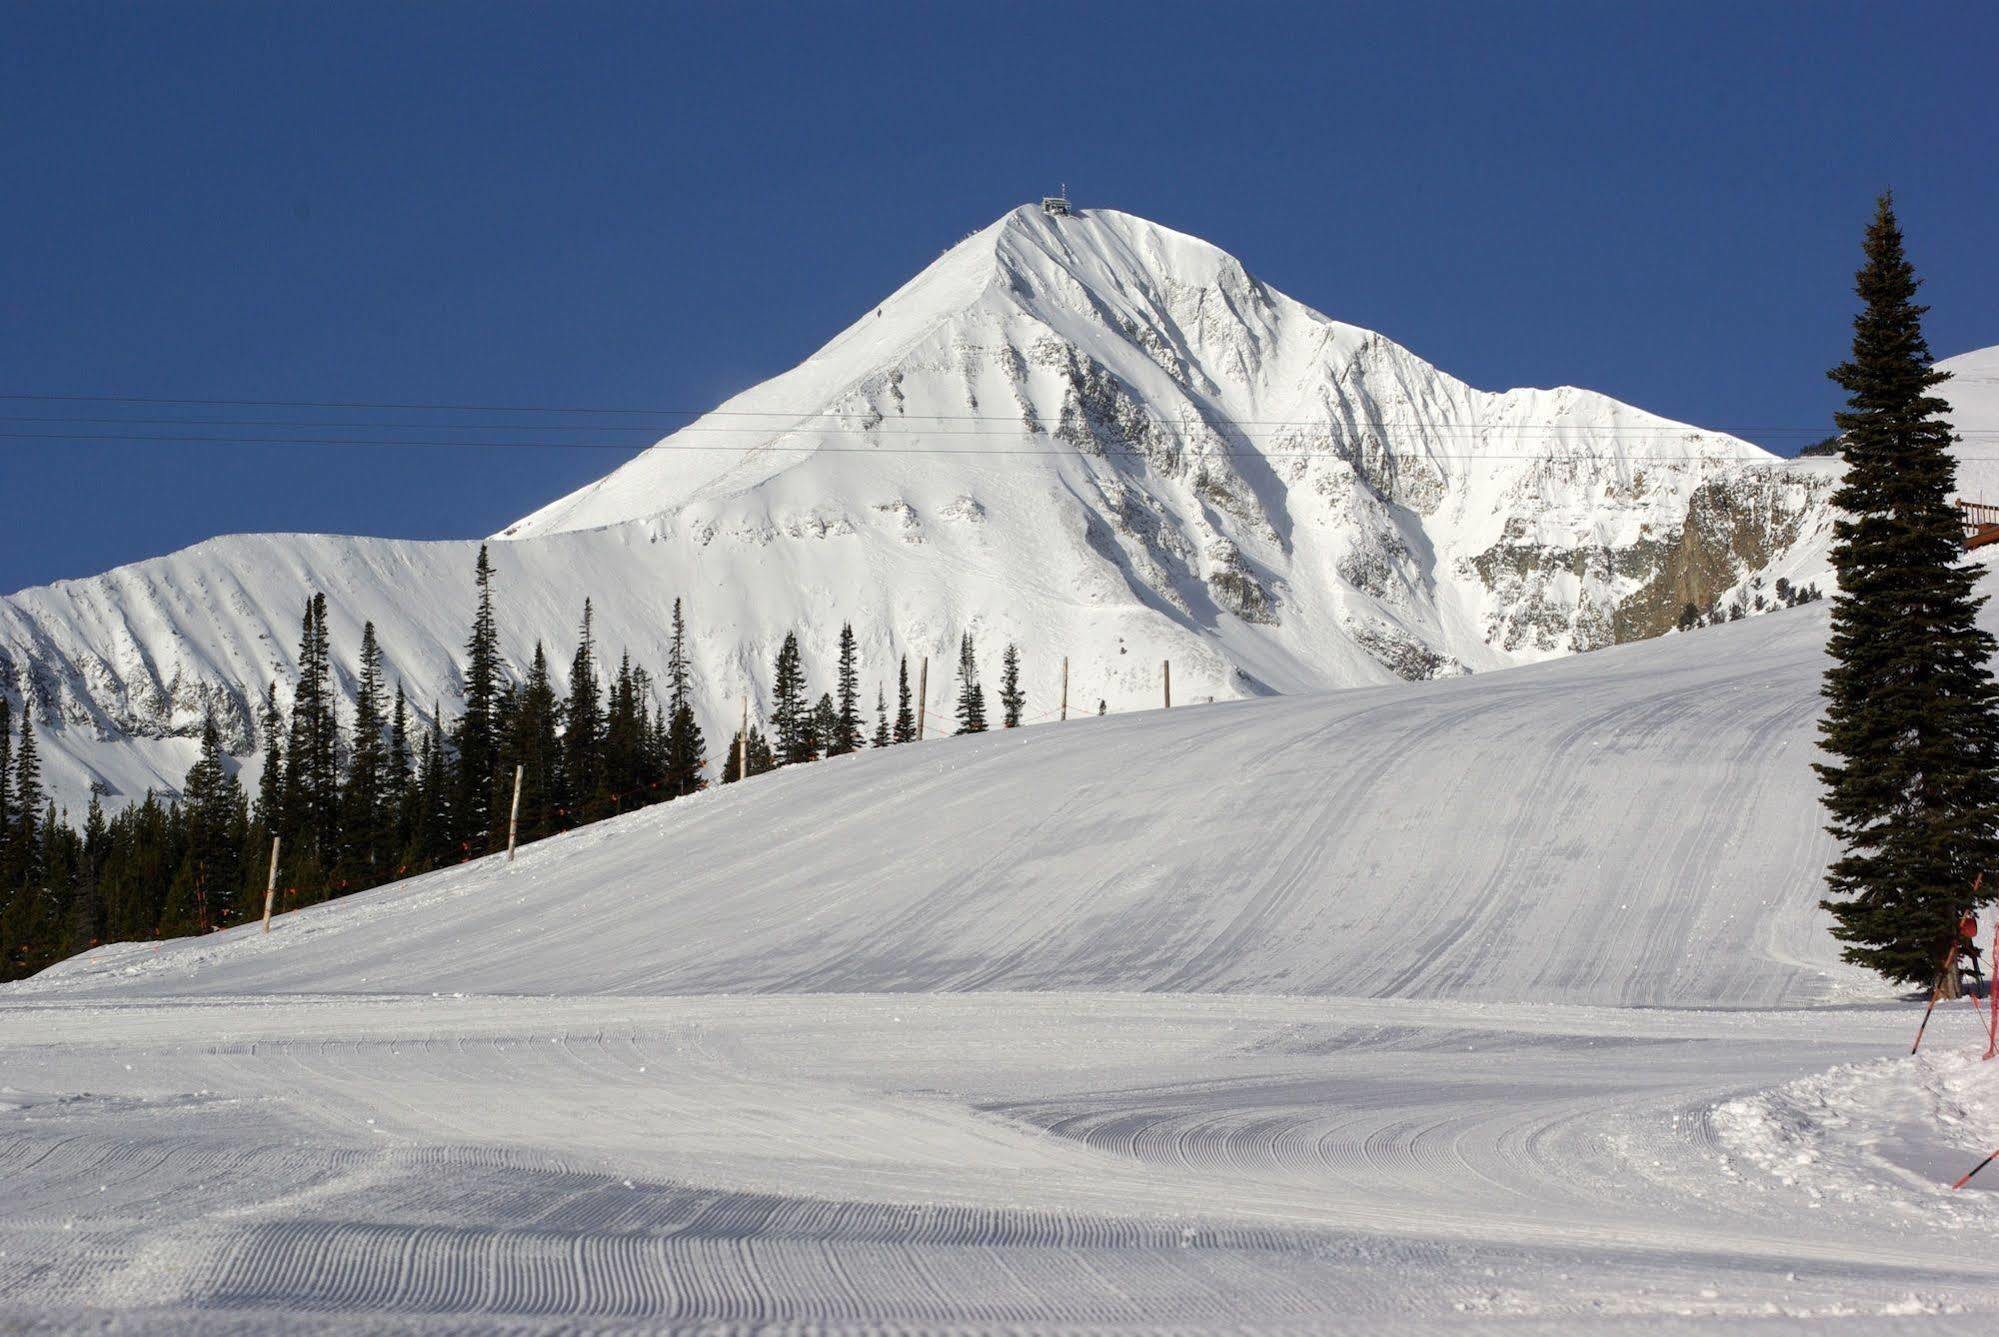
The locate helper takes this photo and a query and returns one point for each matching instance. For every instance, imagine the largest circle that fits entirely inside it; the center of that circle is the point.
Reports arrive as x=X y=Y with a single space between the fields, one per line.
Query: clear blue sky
x=643 y=206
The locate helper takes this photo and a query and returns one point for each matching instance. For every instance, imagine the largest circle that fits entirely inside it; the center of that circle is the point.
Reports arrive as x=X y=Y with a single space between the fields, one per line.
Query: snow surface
x=1093 y=436
x=1973 y=393
x=1401 y=1010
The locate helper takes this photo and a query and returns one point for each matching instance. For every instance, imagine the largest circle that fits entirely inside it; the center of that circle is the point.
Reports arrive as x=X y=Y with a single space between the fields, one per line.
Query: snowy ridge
x=1090 y=435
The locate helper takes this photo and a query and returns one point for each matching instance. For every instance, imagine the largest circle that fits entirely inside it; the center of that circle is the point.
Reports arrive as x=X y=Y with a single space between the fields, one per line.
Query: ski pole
x=1975 y=1169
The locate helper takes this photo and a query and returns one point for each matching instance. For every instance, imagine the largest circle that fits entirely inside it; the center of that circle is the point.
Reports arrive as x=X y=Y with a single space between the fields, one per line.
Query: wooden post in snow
x=922 y=694
x=1167 y=665
x=271 y=885
x=1065 y=688
x=743 y=743
x=514 y=817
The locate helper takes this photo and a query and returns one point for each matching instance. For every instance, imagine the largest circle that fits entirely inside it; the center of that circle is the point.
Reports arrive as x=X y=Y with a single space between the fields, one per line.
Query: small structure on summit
x=1057 y=205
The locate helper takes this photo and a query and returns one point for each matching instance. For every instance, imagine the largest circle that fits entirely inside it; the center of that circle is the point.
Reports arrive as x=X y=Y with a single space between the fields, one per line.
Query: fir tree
x=6 y=795
x=365 y=804
x=1912 y=721
x=311 y=817
x=1012 y=699
x=905 y=718
x=881 y=738
x=761 y=757
x=971 y=696
x=430 y=800
x=791 y=718
x=534 y=744
x=824 y=727
x=679 y=678
x=583 y=732
x=213 y=810
x=27 y=803
x=475 y=734
x=270 y=781
x=686 y=749
x=87 y=919
x=846 y=733
x=396 y=780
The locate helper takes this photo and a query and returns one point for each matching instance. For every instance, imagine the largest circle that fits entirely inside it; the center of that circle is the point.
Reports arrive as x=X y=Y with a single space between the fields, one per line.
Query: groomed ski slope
x=1400 y=1010
x=1630 y=827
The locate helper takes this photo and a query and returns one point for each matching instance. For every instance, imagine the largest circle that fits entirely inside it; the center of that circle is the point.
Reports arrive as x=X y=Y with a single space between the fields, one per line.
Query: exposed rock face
x=1090 y=435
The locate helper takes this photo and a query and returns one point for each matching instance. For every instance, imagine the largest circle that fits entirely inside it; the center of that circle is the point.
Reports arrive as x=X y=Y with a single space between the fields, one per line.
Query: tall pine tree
x=366 y=814
x=1912 y=720
x=1012 y=699
x=686 y=749
x=475 y=734
x=846 y=732
x=971 y=696
x=790 y=716
x=905 y=718
x=583 y=778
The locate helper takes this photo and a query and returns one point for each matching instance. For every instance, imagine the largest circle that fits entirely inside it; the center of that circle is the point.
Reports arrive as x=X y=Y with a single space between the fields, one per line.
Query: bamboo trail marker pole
x=1976 y=1170
x=1167 y=666
x=1935 y=993
x=922 y=695
x=514 y=817
x=743 y=743
x=1992 y=996
x=271 y=885
x=1944 y=976
x=1065 y=688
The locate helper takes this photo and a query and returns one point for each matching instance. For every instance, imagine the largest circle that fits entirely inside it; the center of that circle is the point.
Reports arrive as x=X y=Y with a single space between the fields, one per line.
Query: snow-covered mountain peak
x=1087 y=434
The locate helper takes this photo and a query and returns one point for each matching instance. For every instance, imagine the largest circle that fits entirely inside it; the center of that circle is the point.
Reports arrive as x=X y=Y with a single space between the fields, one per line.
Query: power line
x=1205 y=425
x=802 y=415
x=810 y=449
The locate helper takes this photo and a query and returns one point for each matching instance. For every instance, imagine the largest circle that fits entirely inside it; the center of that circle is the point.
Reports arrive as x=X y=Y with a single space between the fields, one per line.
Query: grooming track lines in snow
x=1405 y=1009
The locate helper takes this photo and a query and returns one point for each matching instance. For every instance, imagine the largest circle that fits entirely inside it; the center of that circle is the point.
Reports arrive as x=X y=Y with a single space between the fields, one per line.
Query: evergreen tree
x=87 y=920
x=431 y=823
x=624 y=737
x=846 y=731
x=475 y=733
x=686 y=750
x=791 y=718
x=1912 y=718
x=761 y=757
x=971 y=696
x=26 y=853
x=679 y=678
x=312 y=762
x=534 y=744
x=583 y=732
x=270 y=781
x=366 y=813
x=1012 y=699
x=396 y=779
x=213 y=813
x=824 y=728
x=881 y=738
x=6 y=795
x=905 y=718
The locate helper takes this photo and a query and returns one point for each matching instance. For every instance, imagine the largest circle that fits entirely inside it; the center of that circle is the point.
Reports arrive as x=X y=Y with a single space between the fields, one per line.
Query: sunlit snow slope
x=1973 y=394
x=1637 y=826
x=1090 y=435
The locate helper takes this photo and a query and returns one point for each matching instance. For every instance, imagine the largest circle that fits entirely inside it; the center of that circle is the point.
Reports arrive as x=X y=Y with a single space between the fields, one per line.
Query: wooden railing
x=1981 y=523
